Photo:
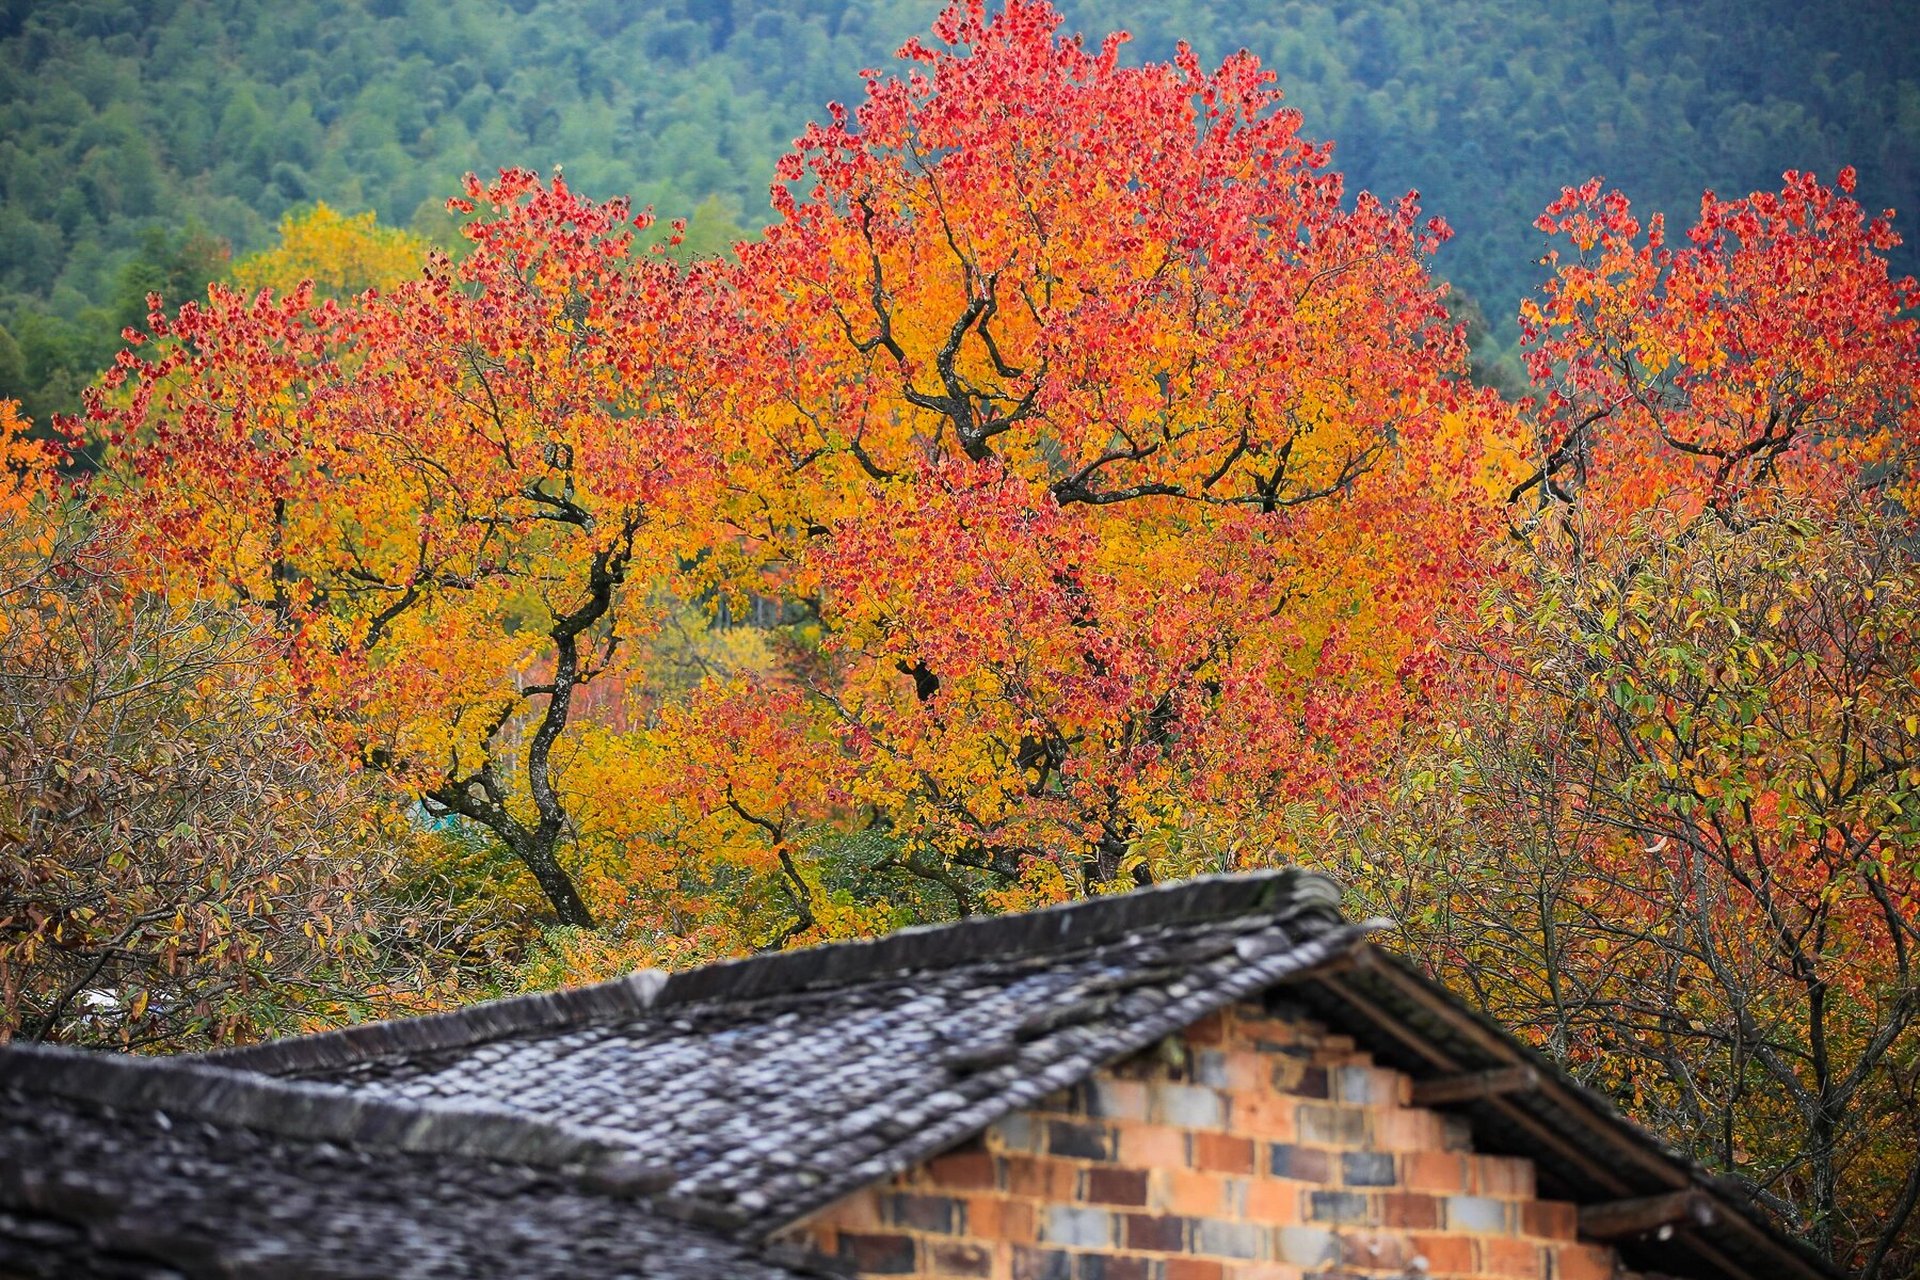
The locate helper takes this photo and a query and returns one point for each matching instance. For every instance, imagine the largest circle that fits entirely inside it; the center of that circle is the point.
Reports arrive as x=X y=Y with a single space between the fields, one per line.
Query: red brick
x=1264 y=1115
x=1445 y=1255
x=1222 y=1153
x=987 y=1217
x=1194 y=1269
x=1375 y=1251
x=962 y=1170
x=1504 y=1256
x=1549 y=1219
x=1158 y=1233
x=1583 y=1262
x=1507 y=1177
x=1102 y=1185
x=1415 y=1211
x=1407 y=1129
x=1196 y=1194
x=1152 y=1146
x=1041 y=1178
x=1273 y=1202
x=1437 y=1171
x=1016 y=1221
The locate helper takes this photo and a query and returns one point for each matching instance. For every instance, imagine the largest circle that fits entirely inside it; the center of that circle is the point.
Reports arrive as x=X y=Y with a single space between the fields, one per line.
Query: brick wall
x=1256 y=1147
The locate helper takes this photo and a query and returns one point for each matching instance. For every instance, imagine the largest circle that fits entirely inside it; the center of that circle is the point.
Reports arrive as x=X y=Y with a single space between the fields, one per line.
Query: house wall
x=1255 y=1147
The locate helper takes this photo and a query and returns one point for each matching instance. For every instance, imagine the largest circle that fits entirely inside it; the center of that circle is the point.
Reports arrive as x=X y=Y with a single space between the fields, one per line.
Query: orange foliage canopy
x=438 y=491
x=1106 y=465
x=1770 y=347
x=1684 y=795
x=1122 y=457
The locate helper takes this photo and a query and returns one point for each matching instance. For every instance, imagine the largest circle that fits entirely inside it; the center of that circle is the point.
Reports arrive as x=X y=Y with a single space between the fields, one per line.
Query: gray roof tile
x=774 y=1086
x=129 y=1167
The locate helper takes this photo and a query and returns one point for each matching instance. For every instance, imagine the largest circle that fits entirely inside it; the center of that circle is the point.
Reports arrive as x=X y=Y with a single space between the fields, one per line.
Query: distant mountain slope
x=123 y=123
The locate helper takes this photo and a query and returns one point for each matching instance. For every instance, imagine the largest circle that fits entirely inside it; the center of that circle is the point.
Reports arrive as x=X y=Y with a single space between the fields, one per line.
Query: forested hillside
x=140 y=143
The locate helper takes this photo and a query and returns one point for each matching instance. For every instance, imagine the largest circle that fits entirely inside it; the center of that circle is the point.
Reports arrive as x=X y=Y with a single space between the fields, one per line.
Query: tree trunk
x=538 y=856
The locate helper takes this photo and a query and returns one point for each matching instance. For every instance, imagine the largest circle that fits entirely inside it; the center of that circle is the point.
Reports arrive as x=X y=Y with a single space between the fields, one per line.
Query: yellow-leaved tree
x=340 y=254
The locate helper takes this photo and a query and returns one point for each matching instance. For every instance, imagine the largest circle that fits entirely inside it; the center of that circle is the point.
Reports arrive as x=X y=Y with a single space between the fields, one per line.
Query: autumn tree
x=1764 y=354
x=436 y=494
x=1098 y=461
x=1115 y=453
x=1668 y=834
x=338 y=254
x=1675 y=842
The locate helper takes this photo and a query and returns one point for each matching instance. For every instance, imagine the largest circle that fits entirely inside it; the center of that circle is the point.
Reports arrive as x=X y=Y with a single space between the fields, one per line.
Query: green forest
x=143 y=144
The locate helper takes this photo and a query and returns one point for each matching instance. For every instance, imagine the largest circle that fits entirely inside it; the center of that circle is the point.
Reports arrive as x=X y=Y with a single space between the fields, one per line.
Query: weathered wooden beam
x=1624 y=1153
x=1646 y=1216
x=1609 y=1170
x=1469 y=1086
x=1541 y=1133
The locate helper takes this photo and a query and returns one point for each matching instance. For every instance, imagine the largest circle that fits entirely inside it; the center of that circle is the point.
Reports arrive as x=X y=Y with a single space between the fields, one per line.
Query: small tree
x=1769 y=354
x=1680 y=845
x=1671 y=832
x=179 y=865
x=340 y=255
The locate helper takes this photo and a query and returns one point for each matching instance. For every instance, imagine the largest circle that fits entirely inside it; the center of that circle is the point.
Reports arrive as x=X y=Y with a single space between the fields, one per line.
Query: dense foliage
x=1673 y=840
x=1078 y=485
x=135 y=140
x=182 y=862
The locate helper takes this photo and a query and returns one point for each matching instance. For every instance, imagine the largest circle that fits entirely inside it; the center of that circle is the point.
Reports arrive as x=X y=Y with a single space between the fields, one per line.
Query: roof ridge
x=1288 y=891
x=608 y=1001
x=192 y=1090
x=1064 y=926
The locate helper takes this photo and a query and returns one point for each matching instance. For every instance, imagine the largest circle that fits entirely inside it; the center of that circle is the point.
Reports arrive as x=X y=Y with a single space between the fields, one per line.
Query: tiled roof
x=139 y=1168
x=744 y=1096
x=775 y=1085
